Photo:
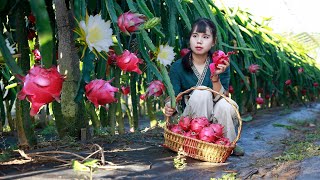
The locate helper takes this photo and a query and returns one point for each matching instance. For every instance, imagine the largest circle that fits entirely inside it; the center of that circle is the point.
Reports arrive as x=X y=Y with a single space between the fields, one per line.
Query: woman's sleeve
x=225 y=79
x=175 y=79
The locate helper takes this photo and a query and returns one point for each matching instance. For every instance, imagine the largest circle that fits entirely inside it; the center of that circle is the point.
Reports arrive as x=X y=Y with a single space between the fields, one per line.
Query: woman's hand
x=222 y=67
x=168 y=110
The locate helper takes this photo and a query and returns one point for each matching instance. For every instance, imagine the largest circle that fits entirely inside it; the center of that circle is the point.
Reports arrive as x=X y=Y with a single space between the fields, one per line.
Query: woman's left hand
x=222 y=67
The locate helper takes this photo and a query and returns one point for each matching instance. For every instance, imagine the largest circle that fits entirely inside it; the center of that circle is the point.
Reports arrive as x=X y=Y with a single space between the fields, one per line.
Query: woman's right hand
x=168 y=110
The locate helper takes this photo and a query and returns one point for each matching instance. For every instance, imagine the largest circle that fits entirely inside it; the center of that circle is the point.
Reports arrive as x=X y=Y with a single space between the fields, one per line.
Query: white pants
x=202 y=104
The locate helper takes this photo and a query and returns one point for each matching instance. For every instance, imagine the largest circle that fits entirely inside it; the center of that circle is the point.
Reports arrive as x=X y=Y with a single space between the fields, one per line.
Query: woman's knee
x=223 y=106
x=200 y=96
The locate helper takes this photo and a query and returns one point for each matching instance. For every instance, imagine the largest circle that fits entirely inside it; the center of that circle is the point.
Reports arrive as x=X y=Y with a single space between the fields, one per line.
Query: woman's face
x=201 y=43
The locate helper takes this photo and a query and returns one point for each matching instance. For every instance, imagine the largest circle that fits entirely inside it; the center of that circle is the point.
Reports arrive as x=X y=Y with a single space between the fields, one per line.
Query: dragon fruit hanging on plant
x=156 y=88
x=41 y=86
x=100 y=92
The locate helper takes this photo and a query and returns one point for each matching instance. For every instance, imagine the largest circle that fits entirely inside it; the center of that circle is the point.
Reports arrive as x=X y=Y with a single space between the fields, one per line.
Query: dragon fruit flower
x=129 y=22
x=41 y=86
x=96 y=32
x=100 y=92
x=129 y=62
x=166 y=54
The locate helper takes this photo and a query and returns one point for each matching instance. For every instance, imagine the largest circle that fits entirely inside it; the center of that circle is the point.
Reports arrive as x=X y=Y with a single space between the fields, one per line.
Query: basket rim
x=179 y=97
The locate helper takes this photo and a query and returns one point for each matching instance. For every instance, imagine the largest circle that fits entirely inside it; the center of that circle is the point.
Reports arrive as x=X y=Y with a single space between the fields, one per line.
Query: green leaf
x=144 y=9
x=131 y=6
x=77 y=166
x=147 y=39
x=183 y=14
x=87 y=69
x=237 y=48
x=91 y=163
x=199 y=8
x=79 y=9
x=114 y=19
x=172 y=25
x=167 y=82
x=146 y=57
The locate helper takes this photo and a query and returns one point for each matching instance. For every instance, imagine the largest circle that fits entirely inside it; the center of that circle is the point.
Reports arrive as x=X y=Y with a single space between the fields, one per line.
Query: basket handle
x=179 y=97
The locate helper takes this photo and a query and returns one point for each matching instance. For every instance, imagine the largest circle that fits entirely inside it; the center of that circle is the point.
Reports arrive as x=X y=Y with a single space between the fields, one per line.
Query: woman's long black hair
x=200 y=25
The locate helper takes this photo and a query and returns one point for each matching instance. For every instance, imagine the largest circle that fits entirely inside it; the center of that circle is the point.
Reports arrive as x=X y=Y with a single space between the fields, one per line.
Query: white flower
x=98 y=33
x=166 y=54
x=10 y=47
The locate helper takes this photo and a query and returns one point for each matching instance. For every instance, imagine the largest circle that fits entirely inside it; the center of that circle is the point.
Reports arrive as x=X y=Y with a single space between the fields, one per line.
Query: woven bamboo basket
x=198 y=149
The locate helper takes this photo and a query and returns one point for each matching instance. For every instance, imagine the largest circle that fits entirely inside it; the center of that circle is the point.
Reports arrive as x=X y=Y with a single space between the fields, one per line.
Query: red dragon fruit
x=218 y=57
x=129 y=22
x=177 y=129
x=198 y=123
x=184 y=51
x=156 y=88
x=207 y=134
x=125 y=90
x=218 y=129
x=184 y=122
x=129 y=62
x=100 y=92
x=41 y=86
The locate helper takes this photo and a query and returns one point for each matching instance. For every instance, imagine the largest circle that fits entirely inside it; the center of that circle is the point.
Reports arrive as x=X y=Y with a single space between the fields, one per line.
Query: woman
x=193 y=70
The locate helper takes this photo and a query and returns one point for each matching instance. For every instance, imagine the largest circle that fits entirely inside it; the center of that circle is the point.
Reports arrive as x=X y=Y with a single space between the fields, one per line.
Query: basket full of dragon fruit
x=200 y=138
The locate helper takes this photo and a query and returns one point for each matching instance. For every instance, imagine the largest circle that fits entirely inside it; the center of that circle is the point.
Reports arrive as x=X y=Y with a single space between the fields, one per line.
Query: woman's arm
x=217 y=85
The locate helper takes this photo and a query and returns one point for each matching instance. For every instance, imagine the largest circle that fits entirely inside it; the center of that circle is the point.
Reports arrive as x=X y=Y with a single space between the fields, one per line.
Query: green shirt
x=183 y=80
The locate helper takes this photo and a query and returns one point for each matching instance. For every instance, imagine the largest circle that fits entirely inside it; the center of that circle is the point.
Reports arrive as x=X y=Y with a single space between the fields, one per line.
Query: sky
x=294 y=16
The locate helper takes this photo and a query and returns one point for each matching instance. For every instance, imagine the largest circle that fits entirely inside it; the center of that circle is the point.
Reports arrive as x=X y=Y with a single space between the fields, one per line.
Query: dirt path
x=267 y=141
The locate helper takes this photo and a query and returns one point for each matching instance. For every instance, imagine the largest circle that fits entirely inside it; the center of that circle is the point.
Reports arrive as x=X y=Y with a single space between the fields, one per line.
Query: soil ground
x=279 y=143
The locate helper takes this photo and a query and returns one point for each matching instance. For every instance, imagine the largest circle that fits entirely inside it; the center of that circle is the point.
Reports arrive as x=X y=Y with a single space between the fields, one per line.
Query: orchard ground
x=279 y=143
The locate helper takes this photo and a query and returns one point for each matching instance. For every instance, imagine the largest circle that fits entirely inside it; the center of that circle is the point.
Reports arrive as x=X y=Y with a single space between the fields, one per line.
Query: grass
x=229 y=176
x=299 y=151
x=301 y=144
x=289 y=127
